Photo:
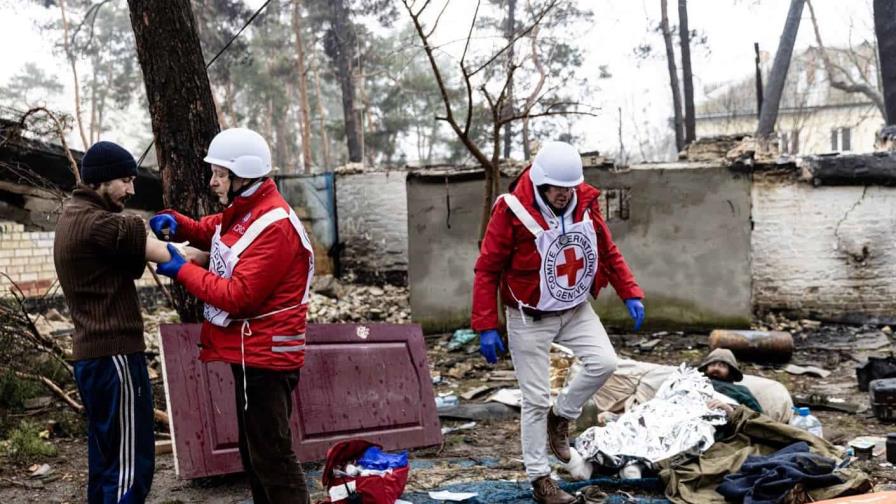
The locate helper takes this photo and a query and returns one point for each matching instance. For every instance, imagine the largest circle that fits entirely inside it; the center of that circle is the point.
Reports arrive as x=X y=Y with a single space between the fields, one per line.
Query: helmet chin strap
x=231 y=194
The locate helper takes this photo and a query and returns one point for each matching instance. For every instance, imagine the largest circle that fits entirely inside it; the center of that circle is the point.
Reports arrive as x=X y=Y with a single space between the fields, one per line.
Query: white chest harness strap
x=532 y=225
x=255 y=229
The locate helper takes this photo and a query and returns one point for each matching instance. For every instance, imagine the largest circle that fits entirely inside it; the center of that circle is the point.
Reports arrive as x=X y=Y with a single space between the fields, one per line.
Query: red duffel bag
x=385 y=489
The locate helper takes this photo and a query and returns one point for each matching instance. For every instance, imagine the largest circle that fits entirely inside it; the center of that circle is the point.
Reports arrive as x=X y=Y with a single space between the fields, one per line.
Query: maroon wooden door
x=359 y=381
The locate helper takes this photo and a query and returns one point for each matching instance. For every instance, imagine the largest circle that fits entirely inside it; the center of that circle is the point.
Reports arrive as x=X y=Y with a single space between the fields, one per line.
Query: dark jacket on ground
x=98 y=254
x=768 y=479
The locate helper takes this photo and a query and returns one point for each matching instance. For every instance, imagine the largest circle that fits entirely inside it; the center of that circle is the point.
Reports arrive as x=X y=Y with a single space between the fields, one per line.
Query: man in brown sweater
x=99 y=252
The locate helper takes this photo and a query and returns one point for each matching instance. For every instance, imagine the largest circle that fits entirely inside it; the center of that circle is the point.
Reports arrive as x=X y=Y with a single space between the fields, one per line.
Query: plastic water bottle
x=806 y=421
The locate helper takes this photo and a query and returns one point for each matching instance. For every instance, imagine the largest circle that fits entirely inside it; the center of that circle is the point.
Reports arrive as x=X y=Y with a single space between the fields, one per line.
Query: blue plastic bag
x=376 y=459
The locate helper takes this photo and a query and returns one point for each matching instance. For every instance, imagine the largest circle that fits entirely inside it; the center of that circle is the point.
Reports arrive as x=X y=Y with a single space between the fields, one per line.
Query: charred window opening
x=614 y=203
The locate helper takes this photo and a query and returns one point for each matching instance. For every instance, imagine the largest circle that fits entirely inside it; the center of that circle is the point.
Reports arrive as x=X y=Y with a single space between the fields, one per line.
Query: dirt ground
x=491 y=449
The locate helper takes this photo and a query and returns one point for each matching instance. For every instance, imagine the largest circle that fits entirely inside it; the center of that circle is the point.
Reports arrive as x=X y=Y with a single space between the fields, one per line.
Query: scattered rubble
x=711 y=148
x=332 y=301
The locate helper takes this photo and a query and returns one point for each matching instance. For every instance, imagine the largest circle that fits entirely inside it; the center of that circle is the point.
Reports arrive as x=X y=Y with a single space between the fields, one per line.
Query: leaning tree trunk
x=687 y=75
x=885 y=30
x=340 y=45
x=181 y=109
x=775 y=87
x=678 y=123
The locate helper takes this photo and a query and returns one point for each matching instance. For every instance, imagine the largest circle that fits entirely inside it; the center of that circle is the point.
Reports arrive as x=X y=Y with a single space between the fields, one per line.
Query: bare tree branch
x=517 y=36
x=72 y=165
x=547 y=113
x=849 y=85
x=466 y=76
x=533 y=96
x=438 y=18
x=443 y=91
x=425 y=4
x=91 y=14
x=542 y=73
x=56 y=389
x=70 y=55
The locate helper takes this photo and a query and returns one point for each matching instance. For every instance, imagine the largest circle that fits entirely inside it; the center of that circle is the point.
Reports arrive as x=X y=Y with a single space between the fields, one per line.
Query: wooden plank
x=163 y=447
x=369 y=381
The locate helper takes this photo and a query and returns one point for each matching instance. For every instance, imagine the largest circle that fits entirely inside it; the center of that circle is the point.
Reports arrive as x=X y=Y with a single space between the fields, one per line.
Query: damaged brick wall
x=823 y=252
x=27 y=258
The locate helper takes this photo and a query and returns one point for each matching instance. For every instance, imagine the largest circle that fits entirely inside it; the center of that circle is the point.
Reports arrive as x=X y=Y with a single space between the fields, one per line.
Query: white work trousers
x=582 y=332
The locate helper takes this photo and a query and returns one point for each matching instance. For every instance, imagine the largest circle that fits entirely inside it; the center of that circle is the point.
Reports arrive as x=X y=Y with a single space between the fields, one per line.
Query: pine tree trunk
x=321 y=117
x=281 y=145
x=342 y=49
x=527 y=151
x=690 y=122
x=181 y=109
x=885 y=30
x=678 y=123
x=775 y=87
x=303 y=86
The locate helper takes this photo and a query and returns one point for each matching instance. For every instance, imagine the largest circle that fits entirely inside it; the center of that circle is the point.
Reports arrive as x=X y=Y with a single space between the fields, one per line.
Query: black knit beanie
x=106 y=161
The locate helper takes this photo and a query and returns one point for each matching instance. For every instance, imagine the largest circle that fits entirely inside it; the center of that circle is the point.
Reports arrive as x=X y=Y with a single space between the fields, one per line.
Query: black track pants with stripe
x=117 y=400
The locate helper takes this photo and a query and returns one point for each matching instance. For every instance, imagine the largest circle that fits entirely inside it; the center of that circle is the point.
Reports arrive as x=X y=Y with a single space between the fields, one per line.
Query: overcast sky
x=640 y=88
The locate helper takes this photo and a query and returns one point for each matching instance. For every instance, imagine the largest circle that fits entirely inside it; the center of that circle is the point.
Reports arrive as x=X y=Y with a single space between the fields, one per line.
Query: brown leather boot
x=546 y=491
x=558 y=436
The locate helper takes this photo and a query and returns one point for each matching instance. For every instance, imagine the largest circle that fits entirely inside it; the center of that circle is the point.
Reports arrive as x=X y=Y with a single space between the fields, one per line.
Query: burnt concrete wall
x=824 y=252
x=687 y=239
x=684 y=230
x=372 y=213
x=313 y=198
x=443 y=228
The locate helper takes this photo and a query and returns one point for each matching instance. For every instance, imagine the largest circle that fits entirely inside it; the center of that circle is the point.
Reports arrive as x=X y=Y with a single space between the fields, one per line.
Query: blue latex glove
x=160 y=222
x=636 y=310
x=172 y=267
x=490 y=344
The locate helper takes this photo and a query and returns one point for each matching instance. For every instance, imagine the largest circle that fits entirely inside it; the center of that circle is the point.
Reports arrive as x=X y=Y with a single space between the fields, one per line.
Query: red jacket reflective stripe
x=508 y=257
x=270 y=275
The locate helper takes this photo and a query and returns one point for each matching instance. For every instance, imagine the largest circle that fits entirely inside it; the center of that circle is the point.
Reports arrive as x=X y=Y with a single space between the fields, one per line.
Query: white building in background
x=814 y=118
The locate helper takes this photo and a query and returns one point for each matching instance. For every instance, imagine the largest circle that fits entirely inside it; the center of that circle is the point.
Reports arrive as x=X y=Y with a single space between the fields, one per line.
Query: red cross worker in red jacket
x=256 y=291
x=547 y=250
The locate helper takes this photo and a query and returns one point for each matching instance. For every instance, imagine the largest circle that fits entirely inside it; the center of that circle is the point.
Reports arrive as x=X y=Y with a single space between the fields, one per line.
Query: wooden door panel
x=369 y=381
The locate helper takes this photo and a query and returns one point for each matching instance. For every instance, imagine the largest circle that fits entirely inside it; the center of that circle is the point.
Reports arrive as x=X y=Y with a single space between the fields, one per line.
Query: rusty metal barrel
x=754 y=346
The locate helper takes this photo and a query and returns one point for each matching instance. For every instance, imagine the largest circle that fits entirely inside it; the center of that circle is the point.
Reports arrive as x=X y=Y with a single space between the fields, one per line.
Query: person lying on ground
x=720 y=367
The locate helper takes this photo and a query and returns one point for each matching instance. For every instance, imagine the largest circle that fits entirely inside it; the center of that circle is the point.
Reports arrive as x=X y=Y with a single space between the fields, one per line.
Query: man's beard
x=559 y=210
x=115 y=206
x=719 y=377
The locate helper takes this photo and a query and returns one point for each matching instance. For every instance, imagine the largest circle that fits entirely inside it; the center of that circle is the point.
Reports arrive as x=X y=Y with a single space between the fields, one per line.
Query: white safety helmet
x=242 y=151
x=557 y=164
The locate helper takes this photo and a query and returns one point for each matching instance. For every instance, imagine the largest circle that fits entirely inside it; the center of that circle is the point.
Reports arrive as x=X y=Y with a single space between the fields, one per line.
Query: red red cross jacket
x=508 y=256
x=271 y=274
